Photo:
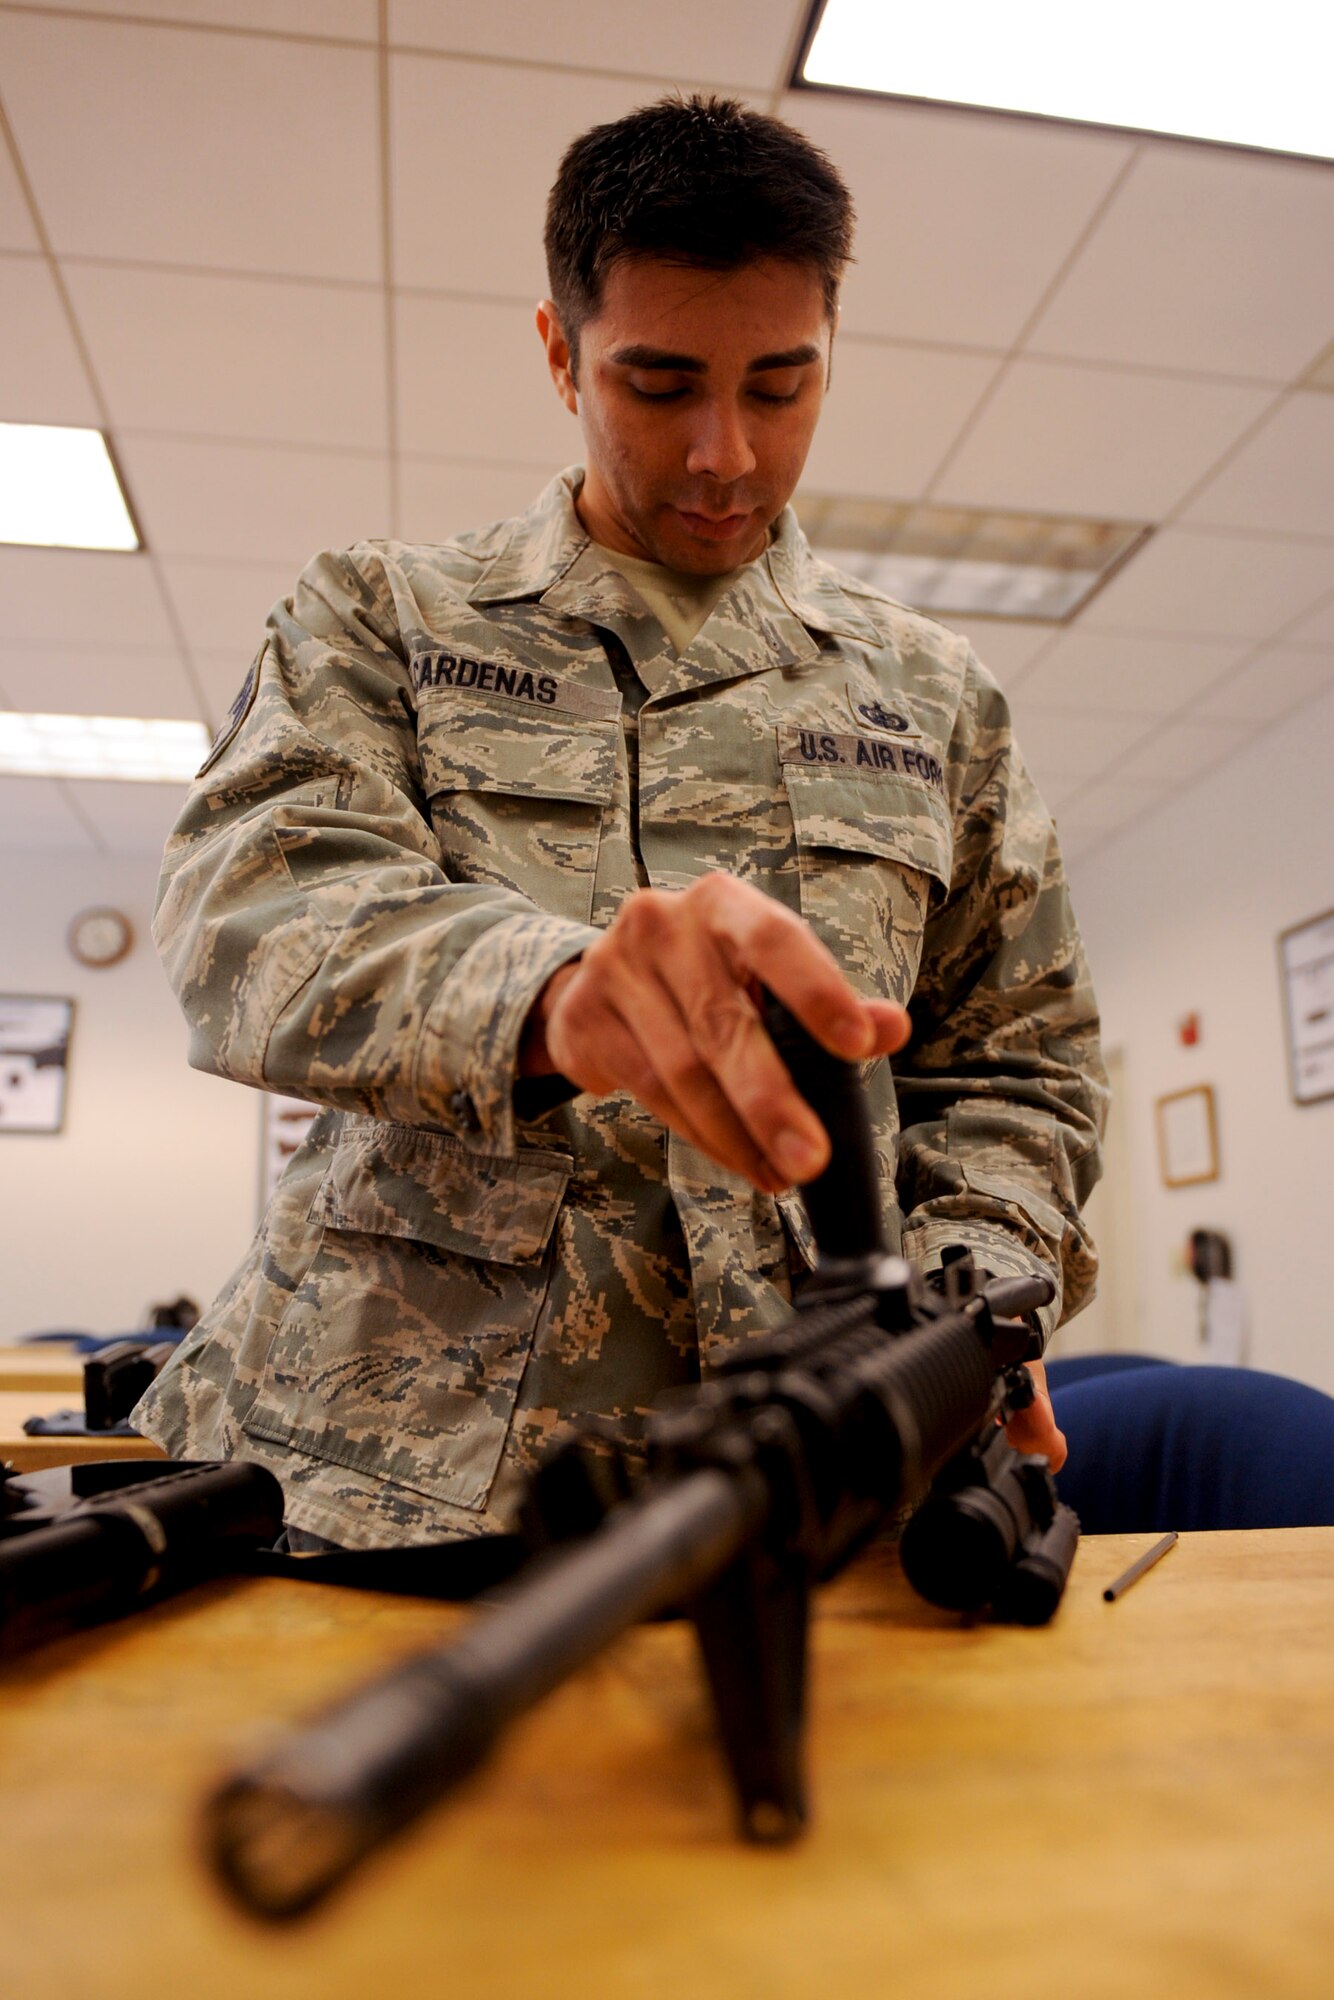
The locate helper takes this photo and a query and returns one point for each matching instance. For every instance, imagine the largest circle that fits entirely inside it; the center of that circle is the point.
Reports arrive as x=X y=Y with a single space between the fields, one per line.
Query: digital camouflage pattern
x=453 y=765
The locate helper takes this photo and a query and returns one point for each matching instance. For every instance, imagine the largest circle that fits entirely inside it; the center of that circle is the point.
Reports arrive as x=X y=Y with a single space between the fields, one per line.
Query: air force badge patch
x=876 y=714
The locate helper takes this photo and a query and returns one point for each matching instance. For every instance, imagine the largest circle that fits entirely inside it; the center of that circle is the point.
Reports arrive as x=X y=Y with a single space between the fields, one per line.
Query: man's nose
x=720 y=447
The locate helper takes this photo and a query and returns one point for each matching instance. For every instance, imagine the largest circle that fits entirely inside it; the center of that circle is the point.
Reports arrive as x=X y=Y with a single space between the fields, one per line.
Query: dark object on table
x=113 y=1381
x=1138 y=1569
x=84 y=1543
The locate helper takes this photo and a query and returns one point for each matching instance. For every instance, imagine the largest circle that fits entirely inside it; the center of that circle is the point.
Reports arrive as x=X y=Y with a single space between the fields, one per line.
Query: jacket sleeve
x=1002 y=1092
x=305 y=917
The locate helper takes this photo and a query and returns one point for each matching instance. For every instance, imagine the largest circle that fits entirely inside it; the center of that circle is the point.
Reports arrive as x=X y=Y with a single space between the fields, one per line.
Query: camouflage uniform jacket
x=447 y=764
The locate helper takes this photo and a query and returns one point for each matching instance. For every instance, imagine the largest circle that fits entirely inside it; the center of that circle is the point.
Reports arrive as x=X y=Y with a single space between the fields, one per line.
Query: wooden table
x=43 y=1368
x=31 y=1454
x=1134 y=1804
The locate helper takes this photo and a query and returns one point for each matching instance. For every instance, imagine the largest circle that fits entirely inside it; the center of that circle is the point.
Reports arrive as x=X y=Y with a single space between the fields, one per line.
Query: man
x=499 y=841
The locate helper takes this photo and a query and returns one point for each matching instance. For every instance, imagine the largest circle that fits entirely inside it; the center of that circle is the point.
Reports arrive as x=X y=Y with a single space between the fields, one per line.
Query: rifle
x=879 y=1394
x=84 y=1543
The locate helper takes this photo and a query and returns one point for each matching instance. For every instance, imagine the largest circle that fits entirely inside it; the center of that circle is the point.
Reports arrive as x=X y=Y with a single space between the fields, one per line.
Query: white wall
x=1181 y=914
x=150 y=1190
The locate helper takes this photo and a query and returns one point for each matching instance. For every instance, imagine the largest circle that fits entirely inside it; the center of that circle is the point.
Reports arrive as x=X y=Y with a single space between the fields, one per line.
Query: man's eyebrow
x=640 y=356
x=790 y=357
x=658 y=357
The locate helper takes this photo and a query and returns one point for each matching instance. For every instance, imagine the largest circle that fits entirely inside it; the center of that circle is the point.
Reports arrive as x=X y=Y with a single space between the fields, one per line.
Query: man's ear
x=557 y=347
x=835 y=318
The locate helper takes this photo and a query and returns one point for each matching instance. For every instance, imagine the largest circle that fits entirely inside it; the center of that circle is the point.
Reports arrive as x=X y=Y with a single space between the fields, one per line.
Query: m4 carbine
x=881 y=1394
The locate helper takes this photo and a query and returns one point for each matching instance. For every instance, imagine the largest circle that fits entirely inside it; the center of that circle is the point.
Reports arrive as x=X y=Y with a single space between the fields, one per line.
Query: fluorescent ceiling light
x=59 y=490
x=100 y=746
x=1235 y=75
x=968 y=561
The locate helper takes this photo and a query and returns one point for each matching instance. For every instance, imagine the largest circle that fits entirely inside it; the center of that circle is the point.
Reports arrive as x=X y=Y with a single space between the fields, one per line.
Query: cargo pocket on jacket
x=517 y=793
x=868 y=852
x=401 y=1353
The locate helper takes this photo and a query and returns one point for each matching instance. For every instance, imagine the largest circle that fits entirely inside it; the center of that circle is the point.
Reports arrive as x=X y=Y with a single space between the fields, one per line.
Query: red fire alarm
x=1189 y=1031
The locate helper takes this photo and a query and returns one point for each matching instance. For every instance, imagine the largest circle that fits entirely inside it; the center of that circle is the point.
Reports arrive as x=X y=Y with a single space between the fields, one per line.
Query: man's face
x=698 y=394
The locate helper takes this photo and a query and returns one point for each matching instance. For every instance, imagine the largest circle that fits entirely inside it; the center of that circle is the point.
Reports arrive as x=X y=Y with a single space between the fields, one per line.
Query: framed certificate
x=34 y=1056
x=1188 y=1136
x=1306 y=960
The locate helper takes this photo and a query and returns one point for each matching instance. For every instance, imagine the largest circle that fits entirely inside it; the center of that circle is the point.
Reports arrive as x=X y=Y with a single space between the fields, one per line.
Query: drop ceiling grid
x=1090 y=282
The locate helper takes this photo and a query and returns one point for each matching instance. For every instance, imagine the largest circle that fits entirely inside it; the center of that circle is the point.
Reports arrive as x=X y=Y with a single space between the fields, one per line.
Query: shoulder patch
x=233 y=719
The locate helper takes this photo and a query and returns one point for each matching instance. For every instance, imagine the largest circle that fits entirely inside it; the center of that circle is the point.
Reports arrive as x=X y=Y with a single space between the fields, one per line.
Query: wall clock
x=100 y=937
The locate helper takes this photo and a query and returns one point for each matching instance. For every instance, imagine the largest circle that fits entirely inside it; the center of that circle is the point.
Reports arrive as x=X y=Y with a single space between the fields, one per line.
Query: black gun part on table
x=882 y=1393
x=84 y=1543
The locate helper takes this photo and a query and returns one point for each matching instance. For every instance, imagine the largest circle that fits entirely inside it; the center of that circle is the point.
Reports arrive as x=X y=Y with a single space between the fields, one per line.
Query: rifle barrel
x=287 y=1830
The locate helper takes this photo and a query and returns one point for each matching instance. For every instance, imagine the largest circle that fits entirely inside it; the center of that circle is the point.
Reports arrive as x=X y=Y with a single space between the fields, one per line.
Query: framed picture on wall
x=1306 y=957
x=35 y=1033
x=1188 y=1136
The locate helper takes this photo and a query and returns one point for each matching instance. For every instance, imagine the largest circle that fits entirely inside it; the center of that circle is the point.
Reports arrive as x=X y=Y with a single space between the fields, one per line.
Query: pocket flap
x=892 y=819
x=393 y=1180
x=475 y=742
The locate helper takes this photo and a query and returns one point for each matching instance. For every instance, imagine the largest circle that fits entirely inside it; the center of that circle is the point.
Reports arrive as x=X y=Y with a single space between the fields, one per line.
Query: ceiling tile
x=1098 y=814
x=748 y=42
x=36 y=814
x=1315 y=630
x=453 y=136
x=963 y=219
x=1105 y=442
x=438 y=499
x=1101 y=811
x=235 y=357
x=1269 y=687
x=42 y=379
x=1208 y=260
x=129 y=818
x=222 y=606
x=1005 y=646
x=473 y=383
x=1179 y=752
x=1061 y=745
x=81 y=597
x=248 y=503
x=223 y=675
x=1190 y=583
x=891 y=414
x=1282 y=478
x=1113 y=801
x=1123 y=674
x=353 y=20
x=16 y=225
x=83 y=680
x=166 y=145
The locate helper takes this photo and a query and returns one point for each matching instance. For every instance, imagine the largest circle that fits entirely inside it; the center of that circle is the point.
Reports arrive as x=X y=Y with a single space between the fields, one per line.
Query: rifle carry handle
x=843 y=1202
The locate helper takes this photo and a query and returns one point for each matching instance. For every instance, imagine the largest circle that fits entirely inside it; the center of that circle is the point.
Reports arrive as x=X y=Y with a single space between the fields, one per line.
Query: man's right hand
x=664 y=1005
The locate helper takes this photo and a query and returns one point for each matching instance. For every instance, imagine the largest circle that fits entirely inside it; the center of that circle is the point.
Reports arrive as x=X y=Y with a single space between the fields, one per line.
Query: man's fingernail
x=798 y=1158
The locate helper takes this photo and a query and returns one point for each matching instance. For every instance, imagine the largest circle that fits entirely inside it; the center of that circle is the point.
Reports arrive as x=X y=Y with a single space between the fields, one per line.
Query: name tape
x=458 y=673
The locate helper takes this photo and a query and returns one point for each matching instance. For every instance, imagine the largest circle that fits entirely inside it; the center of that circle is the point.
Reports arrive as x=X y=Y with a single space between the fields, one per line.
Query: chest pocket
x=518 y=793
x=401 y=1352
x=871 y=853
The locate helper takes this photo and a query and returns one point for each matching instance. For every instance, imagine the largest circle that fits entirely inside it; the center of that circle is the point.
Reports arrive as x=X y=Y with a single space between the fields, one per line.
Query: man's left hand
x=1034 y=1429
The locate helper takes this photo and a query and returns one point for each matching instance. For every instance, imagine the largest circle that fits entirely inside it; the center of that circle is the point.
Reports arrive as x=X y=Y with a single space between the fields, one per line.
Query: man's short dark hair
x=702 y=181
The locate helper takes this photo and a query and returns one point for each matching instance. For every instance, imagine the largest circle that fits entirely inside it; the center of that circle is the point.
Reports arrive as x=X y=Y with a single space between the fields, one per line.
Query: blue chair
x=1082 y=1367
x=1153 y=1446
